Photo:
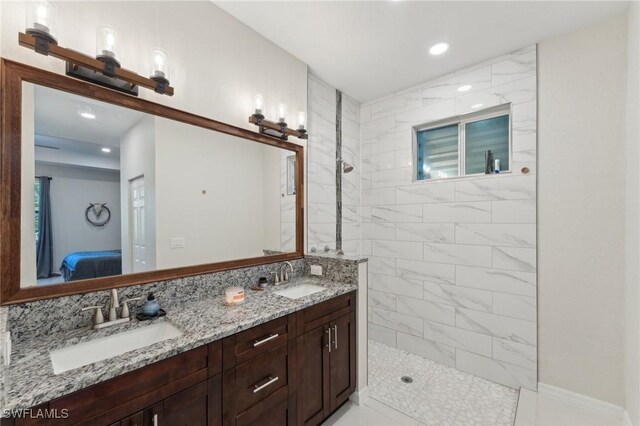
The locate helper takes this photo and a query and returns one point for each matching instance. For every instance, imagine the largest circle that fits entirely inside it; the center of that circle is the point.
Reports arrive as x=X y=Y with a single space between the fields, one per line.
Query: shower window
x=457 y=146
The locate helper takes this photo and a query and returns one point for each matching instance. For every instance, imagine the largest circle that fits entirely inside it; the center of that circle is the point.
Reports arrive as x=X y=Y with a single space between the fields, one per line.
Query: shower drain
x=406 y=379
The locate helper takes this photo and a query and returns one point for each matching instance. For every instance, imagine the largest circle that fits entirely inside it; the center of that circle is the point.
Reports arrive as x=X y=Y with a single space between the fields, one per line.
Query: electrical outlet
x=316 y=270
x=177 y=242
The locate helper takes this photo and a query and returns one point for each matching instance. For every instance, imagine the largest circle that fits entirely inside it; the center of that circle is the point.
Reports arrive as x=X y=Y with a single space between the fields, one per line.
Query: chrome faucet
x=282 y=276
x=114 y=318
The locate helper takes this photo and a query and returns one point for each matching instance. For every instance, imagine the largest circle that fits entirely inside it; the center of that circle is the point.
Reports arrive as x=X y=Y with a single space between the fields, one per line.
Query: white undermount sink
x=299 y=291
x=86 y=353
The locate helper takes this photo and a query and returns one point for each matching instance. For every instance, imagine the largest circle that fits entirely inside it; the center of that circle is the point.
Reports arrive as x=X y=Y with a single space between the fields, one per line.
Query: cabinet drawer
x=317 y=315
x=277 y=410
x=256 y=341
x=260 y=377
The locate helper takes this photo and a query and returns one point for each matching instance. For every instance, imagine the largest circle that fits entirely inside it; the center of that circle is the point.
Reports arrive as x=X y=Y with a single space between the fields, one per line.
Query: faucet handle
x=98 y=319
x=276 y=279
x=124 y=313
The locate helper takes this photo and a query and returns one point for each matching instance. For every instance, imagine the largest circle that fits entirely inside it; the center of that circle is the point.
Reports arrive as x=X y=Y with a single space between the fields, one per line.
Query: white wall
x=137 y=159
x=581 y=216
x=27 y=190
x=227 y=222
x=632 y=220
x=452 y=263
x=72 y=189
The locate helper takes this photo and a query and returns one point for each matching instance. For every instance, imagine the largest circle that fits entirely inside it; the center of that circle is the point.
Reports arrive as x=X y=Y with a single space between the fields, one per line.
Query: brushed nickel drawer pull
x=265 y=340
x=155 y=420
x=335 y=336
x=271 y=381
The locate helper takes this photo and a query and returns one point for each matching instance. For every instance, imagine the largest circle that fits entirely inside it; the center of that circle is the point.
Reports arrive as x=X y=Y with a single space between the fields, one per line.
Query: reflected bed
x=91 y=264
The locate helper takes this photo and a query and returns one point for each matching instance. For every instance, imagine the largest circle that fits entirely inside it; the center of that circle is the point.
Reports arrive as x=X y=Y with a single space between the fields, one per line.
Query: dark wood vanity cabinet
x=294 y=370
x=326 y=361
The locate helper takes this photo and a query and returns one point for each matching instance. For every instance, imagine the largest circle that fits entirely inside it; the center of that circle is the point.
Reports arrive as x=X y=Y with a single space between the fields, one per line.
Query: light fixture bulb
x=107 y=150
x=301 y=120
x=476 y=106
x=41 y=14
x=258 y=104
x=282 y=113
x=439 y=48
x=41 y=18
x=106 y=42
x=464 y=88
x=159 y=64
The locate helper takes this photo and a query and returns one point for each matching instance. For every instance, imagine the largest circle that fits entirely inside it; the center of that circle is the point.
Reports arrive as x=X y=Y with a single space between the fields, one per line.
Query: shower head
x=346 y=167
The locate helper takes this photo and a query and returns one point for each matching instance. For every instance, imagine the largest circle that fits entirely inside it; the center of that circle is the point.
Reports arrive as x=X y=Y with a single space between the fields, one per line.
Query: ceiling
x=371 y=49
x=58 y=122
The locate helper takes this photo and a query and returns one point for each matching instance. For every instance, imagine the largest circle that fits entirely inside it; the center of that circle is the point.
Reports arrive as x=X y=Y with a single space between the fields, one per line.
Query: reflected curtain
x=44 y=248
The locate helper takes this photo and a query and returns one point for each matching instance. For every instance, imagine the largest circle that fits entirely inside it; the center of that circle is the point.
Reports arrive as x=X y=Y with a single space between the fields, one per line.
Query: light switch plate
x=316 y=270
x=177 y=242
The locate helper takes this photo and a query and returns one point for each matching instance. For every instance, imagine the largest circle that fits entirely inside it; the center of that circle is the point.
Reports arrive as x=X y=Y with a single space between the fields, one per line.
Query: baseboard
x=583 y=400
x=359 y=397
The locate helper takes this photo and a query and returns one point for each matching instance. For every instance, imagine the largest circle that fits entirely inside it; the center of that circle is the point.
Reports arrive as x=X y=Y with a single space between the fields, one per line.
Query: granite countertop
x=30 y=381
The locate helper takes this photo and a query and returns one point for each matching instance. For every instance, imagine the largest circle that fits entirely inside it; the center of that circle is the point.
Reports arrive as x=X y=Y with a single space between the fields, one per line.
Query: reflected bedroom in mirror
x=117 y=191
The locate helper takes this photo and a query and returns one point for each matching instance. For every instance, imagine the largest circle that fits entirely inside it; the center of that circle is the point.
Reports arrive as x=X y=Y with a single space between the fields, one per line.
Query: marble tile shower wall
x=321 y=175
x=453 y=263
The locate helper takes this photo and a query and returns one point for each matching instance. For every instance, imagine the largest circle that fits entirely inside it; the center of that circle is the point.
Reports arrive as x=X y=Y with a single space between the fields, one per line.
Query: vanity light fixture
x=104 y=69
x=259 y=106
x=277 y=129
x=106 y=150
x=160 y=69
x=476 y=106
x=41 y=24
x=464 y=88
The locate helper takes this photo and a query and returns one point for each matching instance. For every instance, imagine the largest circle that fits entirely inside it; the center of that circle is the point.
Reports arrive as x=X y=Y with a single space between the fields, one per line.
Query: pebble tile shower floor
x=438 y=395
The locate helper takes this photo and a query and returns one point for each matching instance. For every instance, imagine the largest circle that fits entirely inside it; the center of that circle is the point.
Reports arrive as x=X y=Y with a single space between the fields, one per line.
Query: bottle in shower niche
x=497 y=165
x=488 y=162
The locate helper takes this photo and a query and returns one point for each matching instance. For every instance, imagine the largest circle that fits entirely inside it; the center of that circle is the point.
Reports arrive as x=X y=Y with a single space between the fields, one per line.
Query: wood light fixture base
x=276 y=130
x=93 y=70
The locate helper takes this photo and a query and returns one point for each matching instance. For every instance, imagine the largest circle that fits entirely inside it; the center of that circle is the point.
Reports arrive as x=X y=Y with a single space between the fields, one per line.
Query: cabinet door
x=154 y=415
x=313 y=376
x=133 y=420
x=186 y=408
x=342 y=360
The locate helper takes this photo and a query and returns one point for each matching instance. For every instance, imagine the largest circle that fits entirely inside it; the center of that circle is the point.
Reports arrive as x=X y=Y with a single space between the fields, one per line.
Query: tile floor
x=370 y=413
x=543 y=409
x=439 y=395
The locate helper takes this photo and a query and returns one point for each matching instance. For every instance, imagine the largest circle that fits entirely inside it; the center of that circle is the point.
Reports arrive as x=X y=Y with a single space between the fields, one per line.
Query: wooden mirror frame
x=12 y=74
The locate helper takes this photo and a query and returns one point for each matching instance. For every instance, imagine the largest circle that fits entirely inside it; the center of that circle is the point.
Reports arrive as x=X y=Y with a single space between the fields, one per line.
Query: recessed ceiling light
x=106 y=149
x=88 y=115
x=464 y=88
x=476 y=106
x=439 y=48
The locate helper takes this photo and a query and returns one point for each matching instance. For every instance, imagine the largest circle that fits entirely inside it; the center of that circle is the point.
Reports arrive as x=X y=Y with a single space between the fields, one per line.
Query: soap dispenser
x=151 y=307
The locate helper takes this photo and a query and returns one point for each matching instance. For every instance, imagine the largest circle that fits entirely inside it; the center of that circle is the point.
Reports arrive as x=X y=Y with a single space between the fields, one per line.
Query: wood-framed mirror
x=101 y=189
